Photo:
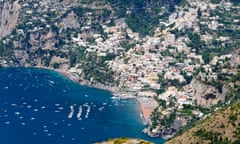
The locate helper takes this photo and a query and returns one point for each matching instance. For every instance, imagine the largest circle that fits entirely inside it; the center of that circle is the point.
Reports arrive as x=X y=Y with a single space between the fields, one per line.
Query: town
x=177 y=74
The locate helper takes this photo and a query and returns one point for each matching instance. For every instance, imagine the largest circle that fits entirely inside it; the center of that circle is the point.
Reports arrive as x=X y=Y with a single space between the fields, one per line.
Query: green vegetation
x=125 y=141
x=120 y=140
x=56 y=65
x=48 y=33
x=196 y=42
x=127 y=45
x=155 y=118
x=37 y=36
x=161 y=103
x=232 y=117
x=166 y=53
x=143 y=16
x=235 y=90
x=202 y=133
x=94 y=67
x=46 y=60
x=216 y=1
x=143 y=25
x=187 y=110
x=216 y=128
x=5 y=48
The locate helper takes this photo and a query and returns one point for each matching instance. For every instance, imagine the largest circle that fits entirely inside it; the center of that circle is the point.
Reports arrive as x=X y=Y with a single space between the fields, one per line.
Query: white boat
x=71 y=111
x=79 y=113
x=7 y=122
x=88 y=111
x=101 y=108
x=115 y=98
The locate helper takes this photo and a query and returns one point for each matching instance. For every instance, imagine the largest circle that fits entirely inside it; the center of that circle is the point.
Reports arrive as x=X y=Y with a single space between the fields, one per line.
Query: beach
x=146 y=104
x=45 y=107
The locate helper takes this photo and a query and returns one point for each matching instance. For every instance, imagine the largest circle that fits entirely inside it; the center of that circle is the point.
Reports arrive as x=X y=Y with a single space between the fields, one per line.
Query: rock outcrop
x=220 y=127
x=203 y=94
x=9 y=12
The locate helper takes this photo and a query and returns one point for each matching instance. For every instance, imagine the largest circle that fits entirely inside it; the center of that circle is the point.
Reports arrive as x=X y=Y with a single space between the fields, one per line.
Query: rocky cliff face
x=206 y=95
x=9 y=13
x=221 y=127
x=141 y=46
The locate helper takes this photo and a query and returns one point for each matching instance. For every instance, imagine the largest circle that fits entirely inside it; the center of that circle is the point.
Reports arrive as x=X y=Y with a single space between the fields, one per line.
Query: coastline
x=64 y=98
x=146 y=105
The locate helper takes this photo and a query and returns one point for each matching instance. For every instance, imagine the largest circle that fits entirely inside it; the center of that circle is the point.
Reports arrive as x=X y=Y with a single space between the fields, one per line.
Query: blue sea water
x=36 y=106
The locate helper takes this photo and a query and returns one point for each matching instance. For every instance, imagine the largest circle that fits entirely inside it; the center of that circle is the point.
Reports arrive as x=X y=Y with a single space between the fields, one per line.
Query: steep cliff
x=148 y=48
x=9 y=13
x=221 y=127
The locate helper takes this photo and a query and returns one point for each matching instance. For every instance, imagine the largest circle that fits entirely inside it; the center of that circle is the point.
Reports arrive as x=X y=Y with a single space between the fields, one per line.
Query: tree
x=56 y=65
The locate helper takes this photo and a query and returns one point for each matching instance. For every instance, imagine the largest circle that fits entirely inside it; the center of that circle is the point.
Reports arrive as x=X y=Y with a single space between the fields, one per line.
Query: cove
x=42 y=106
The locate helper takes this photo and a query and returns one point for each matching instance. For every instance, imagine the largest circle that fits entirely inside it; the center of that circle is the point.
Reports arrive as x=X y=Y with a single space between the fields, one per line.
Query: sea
x=40 y=106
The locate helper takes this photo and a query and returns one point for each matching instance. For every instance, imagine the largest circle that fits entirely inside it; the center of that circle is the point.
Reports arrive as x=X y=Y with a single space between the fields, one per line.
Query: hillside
x=125 y=141
x=221 y=127
x=178 y=56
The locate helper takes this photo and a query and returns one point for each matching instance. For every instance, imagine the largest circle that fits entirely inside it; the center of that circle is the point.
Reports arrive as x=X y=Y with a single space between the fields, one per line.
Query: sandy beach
x=146 y=104
x=146 y=112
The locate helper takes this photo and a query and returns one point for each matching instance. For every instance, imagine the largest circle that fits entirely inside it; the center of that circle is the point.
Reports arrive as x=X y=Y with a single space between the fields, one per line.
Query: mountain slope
x=180 y=53
x=221 y=127
x=125 y=141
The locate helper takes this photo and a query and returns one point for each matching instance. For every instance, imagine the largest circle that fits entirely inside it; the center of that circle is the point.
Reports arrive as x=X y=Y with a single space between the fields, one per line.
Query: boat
x=79 y=113
x=115 y=98
x=71 y=112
